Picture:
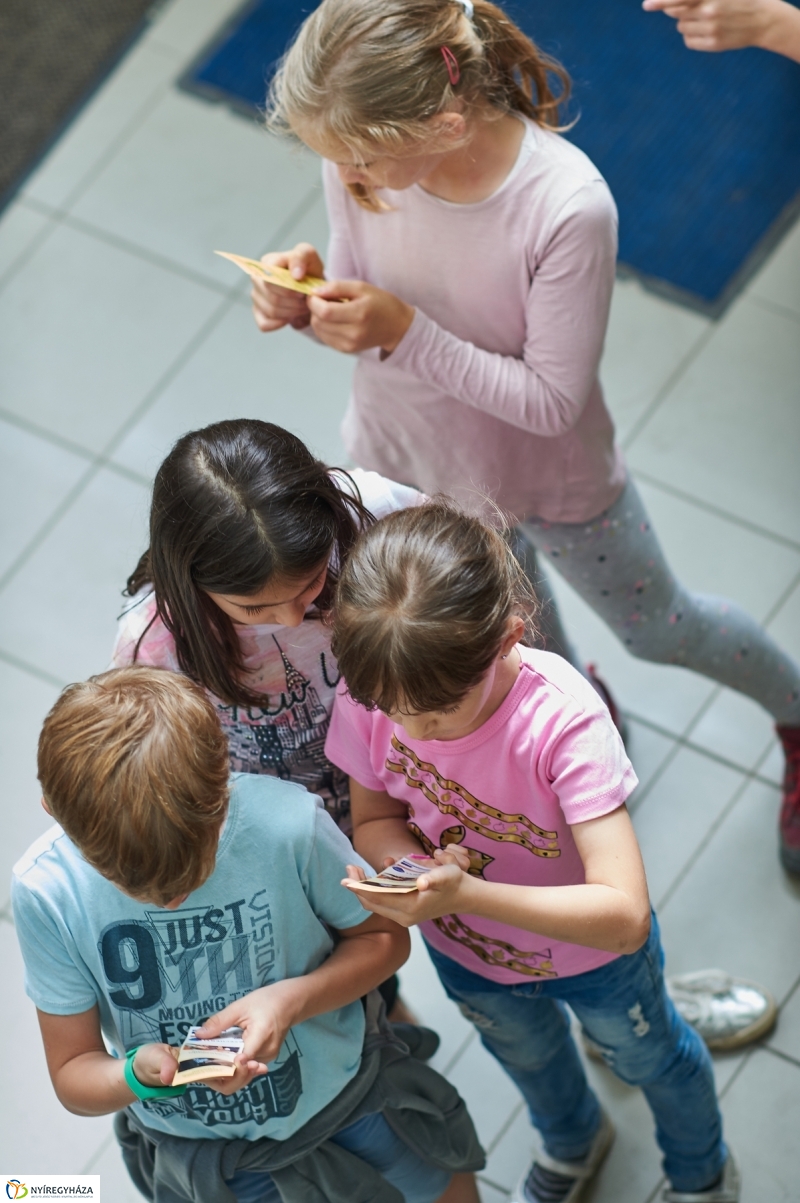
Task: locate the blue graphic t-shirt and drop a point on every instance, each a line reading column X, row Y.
column 263, row 915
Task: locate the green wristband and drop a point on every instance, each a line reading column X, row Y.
column 147, row 1092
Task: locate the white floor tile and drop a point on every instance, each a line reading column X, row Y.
column 242, row 373
column 736, row 909
column 785, row 626
column 25, row 702
column 424, row 993
column 779, row 279
column 668, row 696
column 728, row 433
column 735, row 727
column 59, row 612
column 19, row 229
column 489, row 1093
column 760, row 1113
column 115, row 1182
column 35, row 476
column 647, row 339
column 677, row 814
column 42, row 1137
column 196, row 178
column 786, row 1037
column 186, row 25
column 88, row 330
column 100, row 128
column 488, row 1194
column 711, row 555
column 647, row 750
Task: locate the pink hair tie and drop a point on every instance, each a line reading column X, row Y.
column 451, row 62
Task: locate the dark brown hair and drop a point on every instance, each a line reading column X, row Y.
column 422, row 608
column 235, row 505
column 371, row 74
column 134, row 766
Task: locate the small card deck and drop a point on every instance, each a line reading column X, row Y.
column 400, row 878
column 199, row 1059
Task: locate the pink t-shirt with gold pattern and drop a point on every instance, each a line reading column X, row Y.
column 548, row 758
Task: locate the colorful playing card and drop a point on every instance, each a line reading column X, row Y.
column 401, row 877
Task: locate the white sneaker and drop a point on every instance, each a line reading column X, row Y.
column 726, row 1012
column 576, row 1174
column 726, row 1192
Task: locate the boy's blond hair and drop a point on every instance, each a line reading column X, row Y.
column 133, row 764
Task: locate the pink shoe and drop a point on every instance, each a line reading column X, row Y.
column 790, row 810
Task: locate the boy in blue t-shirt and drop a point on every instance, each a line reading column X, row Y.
column 170, row 896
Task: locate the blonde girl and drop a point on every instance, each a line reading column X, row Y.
column 475, row 248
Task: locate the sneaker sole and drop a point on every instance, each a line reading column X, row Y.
column 727, row 1044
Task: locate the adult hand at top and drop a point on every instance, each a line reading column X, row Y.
column 714, row 25
column 274, row 307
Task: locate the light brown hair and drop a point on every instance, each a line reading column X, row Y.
column 133, row 764
column 371, row 74
column 422, row 608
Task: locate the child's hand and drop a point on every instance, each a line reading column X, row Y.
column 265, row 1016
column 371, row 317
column 155, row 1064
column 275, row 307
column 440, row 892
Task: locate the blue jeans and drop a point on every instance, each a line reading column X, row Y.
column 625, row 1009
column 373, row 1140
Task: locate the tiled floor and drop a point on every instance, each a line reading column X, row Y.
column 120, row 330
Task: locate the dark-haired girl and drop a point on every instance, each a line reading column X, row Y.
column 501, row 762
column 247, row 534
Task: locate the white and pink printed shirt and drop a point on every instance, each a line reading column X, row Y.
column 293, row 666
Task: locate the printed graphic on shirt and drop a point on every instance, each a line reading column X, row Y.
column 497, row 953
column 451, row 798
column 453, row 835
column 172, row 971
column 286, row 737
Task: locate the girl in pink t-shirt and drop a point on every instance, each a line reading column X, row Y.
column 502, row 763
column 476, row 249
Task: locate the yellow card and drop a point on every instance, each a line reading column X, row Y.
column 273, row 275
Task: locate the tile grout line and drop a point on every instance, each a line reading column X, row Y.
column 774, row 307
column 166, row 378
column 48, row 525
column 716, row 511
column 105, row 1143
column 776, row 1052
column 518, row 1107
column 26, row 667
column 711, row 831
column 137, row 251
column 77, row 449
column 667, row 387
column 55, row 222
column 701, row 751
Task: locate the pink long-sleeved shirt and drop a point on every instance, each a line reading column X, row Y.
column 494, row 388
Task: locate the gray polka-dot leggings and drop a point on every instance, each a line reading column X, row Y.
column 616, row 564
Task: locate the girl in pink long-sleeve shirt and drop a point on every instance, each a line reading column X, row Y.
column 475, row 249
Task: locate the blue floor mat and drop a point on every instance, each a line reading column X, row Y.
column 701, row 151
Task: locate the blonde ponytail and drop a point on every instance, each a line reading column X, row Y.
column 370, row 74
